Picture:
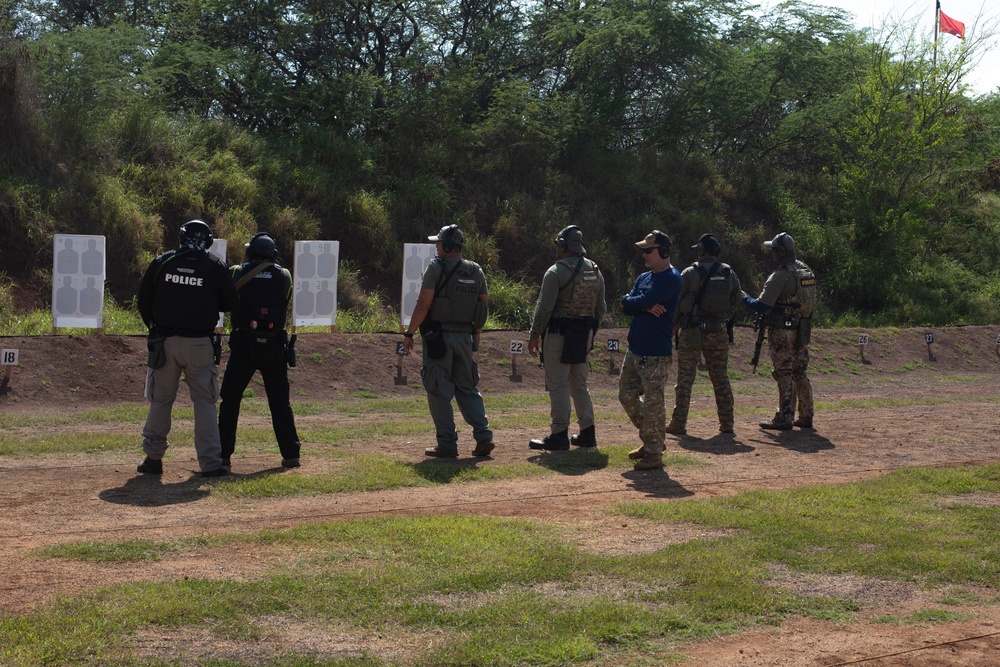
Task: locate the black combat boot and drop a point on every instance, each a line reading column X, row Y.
column 552, row 443
column 587, row 438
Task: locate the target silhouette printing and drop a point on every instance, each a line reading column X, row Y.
column 78, row 274
column 416, row 258
column 314, row 301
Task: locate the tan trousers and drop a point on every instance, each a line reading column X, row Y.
column 563, row 382
column 196, row 359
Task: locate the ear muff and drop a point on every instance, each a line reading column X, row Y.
column 562, row 242
column 664, row 243
column 780, row 247
column 447, row 243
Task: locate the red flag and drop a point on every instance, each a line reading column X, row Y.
column 951, row 26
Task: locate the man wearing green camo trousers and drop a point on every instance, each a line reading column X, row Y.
column 570, row 308
column 710, row 292
column 650, row 304
column 452, row 306
column 786, row 304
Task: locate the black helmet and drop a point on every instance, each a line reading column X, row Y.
column 196, row 234
column 261, row 246
column 450, row 237
column 570, row 239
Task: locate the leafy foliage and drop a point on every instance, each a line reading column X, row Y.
column 376, row 122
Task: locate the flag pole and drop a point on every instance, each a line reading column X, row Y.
column 937, row 17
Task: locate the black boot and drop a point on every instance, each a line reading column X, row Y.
column 586, row 439
column 552, row 443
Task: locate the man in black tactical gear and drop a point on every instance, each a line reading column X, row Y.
column 180, row 297
column 258, row 343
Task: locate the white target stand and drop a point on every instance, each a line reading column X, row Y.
column 400, row 379
column 8, row 358
column 862, row 344
column 613, row 346
column 516, row 349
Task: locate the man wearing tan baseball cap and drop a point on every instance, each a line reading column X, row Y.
column 651, row 304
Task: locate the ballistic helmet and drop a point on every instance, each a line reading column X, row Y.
column 450, row 236
column 570, row 239
column 196, row 234
column 261, row 246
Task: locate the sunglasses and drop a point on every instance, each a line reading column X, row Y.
column 647, row 251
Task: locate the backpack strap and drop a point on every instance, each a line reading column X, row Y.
column 252, row 273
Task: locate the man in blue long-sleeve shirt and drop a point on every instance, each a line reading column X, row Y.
column 651, row 304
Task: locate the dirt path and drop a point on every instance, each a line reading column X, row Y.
column 942, row 415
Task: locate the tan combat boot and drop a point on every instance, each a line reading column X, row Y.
column 649, row 462
column 637, row 453
column 676, row 428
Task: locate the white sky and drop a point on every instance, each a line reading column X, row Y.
column 981, row 19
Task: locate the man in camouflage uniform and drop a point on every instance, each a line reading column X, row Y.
column 453, row 294
column 786, row 304
column 710, row 291
column 569, row 310
column 651, row 304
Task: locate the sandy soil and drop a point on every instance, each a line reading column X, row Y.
column 951, row 420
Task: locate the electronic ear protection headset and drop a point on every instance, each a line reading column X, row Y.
column 664, row 243
column 447, row 237
column 562, row 241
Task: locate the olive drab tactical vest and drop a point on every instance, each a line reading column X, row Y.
column 806, row 290
column 716, row 300
column 583, row 293
column 460, row 295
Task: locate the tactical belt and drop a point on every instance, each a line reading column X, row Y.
column 558, row 324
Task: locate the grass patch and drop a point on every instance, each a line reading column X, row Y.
column 819, row 529
column 482, row 591
column 133, row 551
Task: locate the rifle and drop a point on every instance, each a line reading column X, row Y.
column 758, row 326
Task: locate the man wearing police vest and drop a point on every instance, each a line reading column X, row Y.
column 258, row 343
column 450, row 313
column 180, row 298
column 786, row 303
column 710, row 292
column 570, row 308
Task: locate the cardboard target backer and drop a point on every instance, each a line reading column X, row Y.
column 218, row 249
column 78, row 274
column 314, row 300
column 416, row 258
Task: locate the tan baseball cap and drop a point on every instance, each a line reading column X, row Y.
column 655, row 239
